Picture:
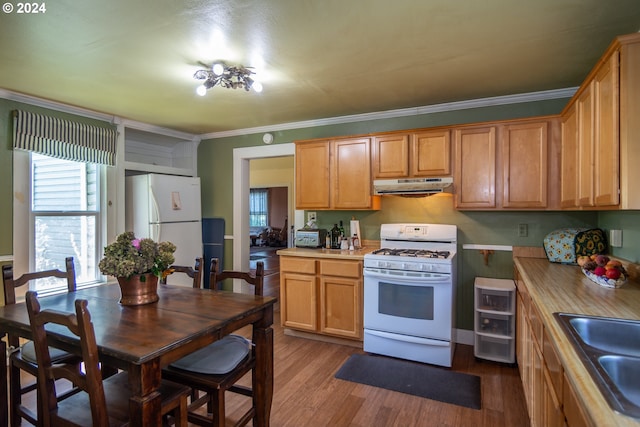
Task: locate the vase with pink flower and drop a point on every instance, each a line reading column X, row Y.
column 137, row 264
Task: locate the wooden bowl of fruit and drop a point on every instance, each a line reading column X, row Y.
column 602, row 270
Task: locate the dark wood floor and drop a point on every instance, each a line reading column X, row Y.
column 306, row 394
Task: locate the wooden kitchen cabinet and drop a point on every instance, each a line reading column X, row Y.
column 594, row 144
column 390, row 156
column 431, row 153
column 334, row 174
column 524, row 148
column 412, row 155
column 569, row 160
column 322, row 296
column 475, row 167
column 298, row 293
column 538, row 364
column 504, row 165
column 312, row 175
column 341, row 298
column 351, row 174
column 606, row 142
column 572, row 411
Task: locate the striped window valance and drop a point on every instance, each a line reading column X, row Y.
column 63, row 139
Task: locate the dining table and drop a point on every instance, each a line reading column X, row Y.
column 145, row 339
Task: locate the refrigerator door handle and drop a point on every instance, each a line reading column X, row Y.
column 155, row 209
column 155, row 230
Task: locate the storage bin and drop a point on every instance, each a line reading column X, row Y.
column 491, row 323
column 494, row 322
column 492, row 348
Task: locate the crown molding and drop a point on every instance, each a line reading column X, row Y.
column 83, row 112
column 404, row 112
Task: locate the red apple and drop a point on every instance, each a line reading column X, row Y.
column 613, row 273
column 599, row 271
column 602, row 260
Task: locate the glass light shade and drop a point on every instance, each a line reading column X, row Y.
column 218, row 69
column 257, row 86
column 201, row 90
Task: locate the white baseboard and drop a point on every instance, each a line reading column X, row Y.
column 464, row 336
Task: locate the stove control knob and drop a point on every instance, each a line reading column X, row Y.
column 428, row 267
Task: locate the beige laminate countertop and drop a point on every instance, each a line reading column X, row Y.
column 327, row 253
column 563, row 288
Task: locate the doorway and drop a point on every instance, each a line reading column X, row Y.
column 241, row 186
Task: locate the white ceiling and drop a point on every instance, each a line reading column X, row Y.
column 316, row 58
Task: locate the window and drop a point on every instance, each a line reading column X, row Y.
column 258, row 207
column 65, row 216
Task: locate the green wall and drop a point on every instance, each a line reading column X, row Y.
column 215, row 162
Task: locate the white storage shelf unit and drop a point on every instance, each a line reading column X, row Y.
column 494, row 324
column 157, row 153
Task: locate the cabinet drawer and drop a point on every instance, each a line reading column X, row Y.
column 341, row 268
column 298, row 265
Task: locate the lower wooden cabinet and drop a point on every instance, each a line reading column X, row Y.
column 322, row 296
column 542, row 375
column 572, row 411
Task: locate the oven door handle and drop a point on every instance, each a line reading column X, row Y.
column 407, row 338
column 402, row 275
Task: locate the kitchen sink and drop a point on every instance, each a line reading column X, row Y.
column 625, row 373
column 610, row 335
column 610, row 350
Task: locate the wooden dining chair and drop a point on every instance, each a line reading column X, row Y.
column 217, row 368
column 194, row 272
column 102, row 402
column 23, row 357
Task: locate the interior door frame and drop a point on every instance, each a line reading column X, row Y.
column 241, row 185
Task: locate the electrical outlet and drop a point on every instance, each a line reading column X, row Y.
column 311, row 216
column 523, row 230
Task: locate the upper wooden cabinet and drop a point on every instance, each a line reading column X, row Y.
column 569, row 160
column 420, row 154
column 475, row 167
column 431, row 153
column 351, row 174
column 312, row 175
column 504, row 166
column 390, row 156
column 604, row 144
column 591, row 143
column 524, row 165
column 334, row 174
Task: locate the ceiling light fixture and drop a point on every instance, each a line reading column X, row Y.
column 229, row 77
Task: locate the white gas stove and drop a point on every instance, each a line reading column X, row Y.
column 409, row 293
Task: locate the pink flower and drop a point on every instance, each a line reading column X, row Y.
column 136, row 243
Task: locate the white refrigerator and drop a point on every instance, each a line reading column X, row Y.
column 167, row 208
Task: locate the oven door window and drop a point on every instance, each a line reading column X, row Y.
column 411, row 302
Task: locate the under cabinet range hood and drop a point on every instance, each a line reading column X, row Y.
column 412, row 186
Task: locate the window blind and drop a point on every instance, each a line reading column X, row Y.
column 63, row 139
